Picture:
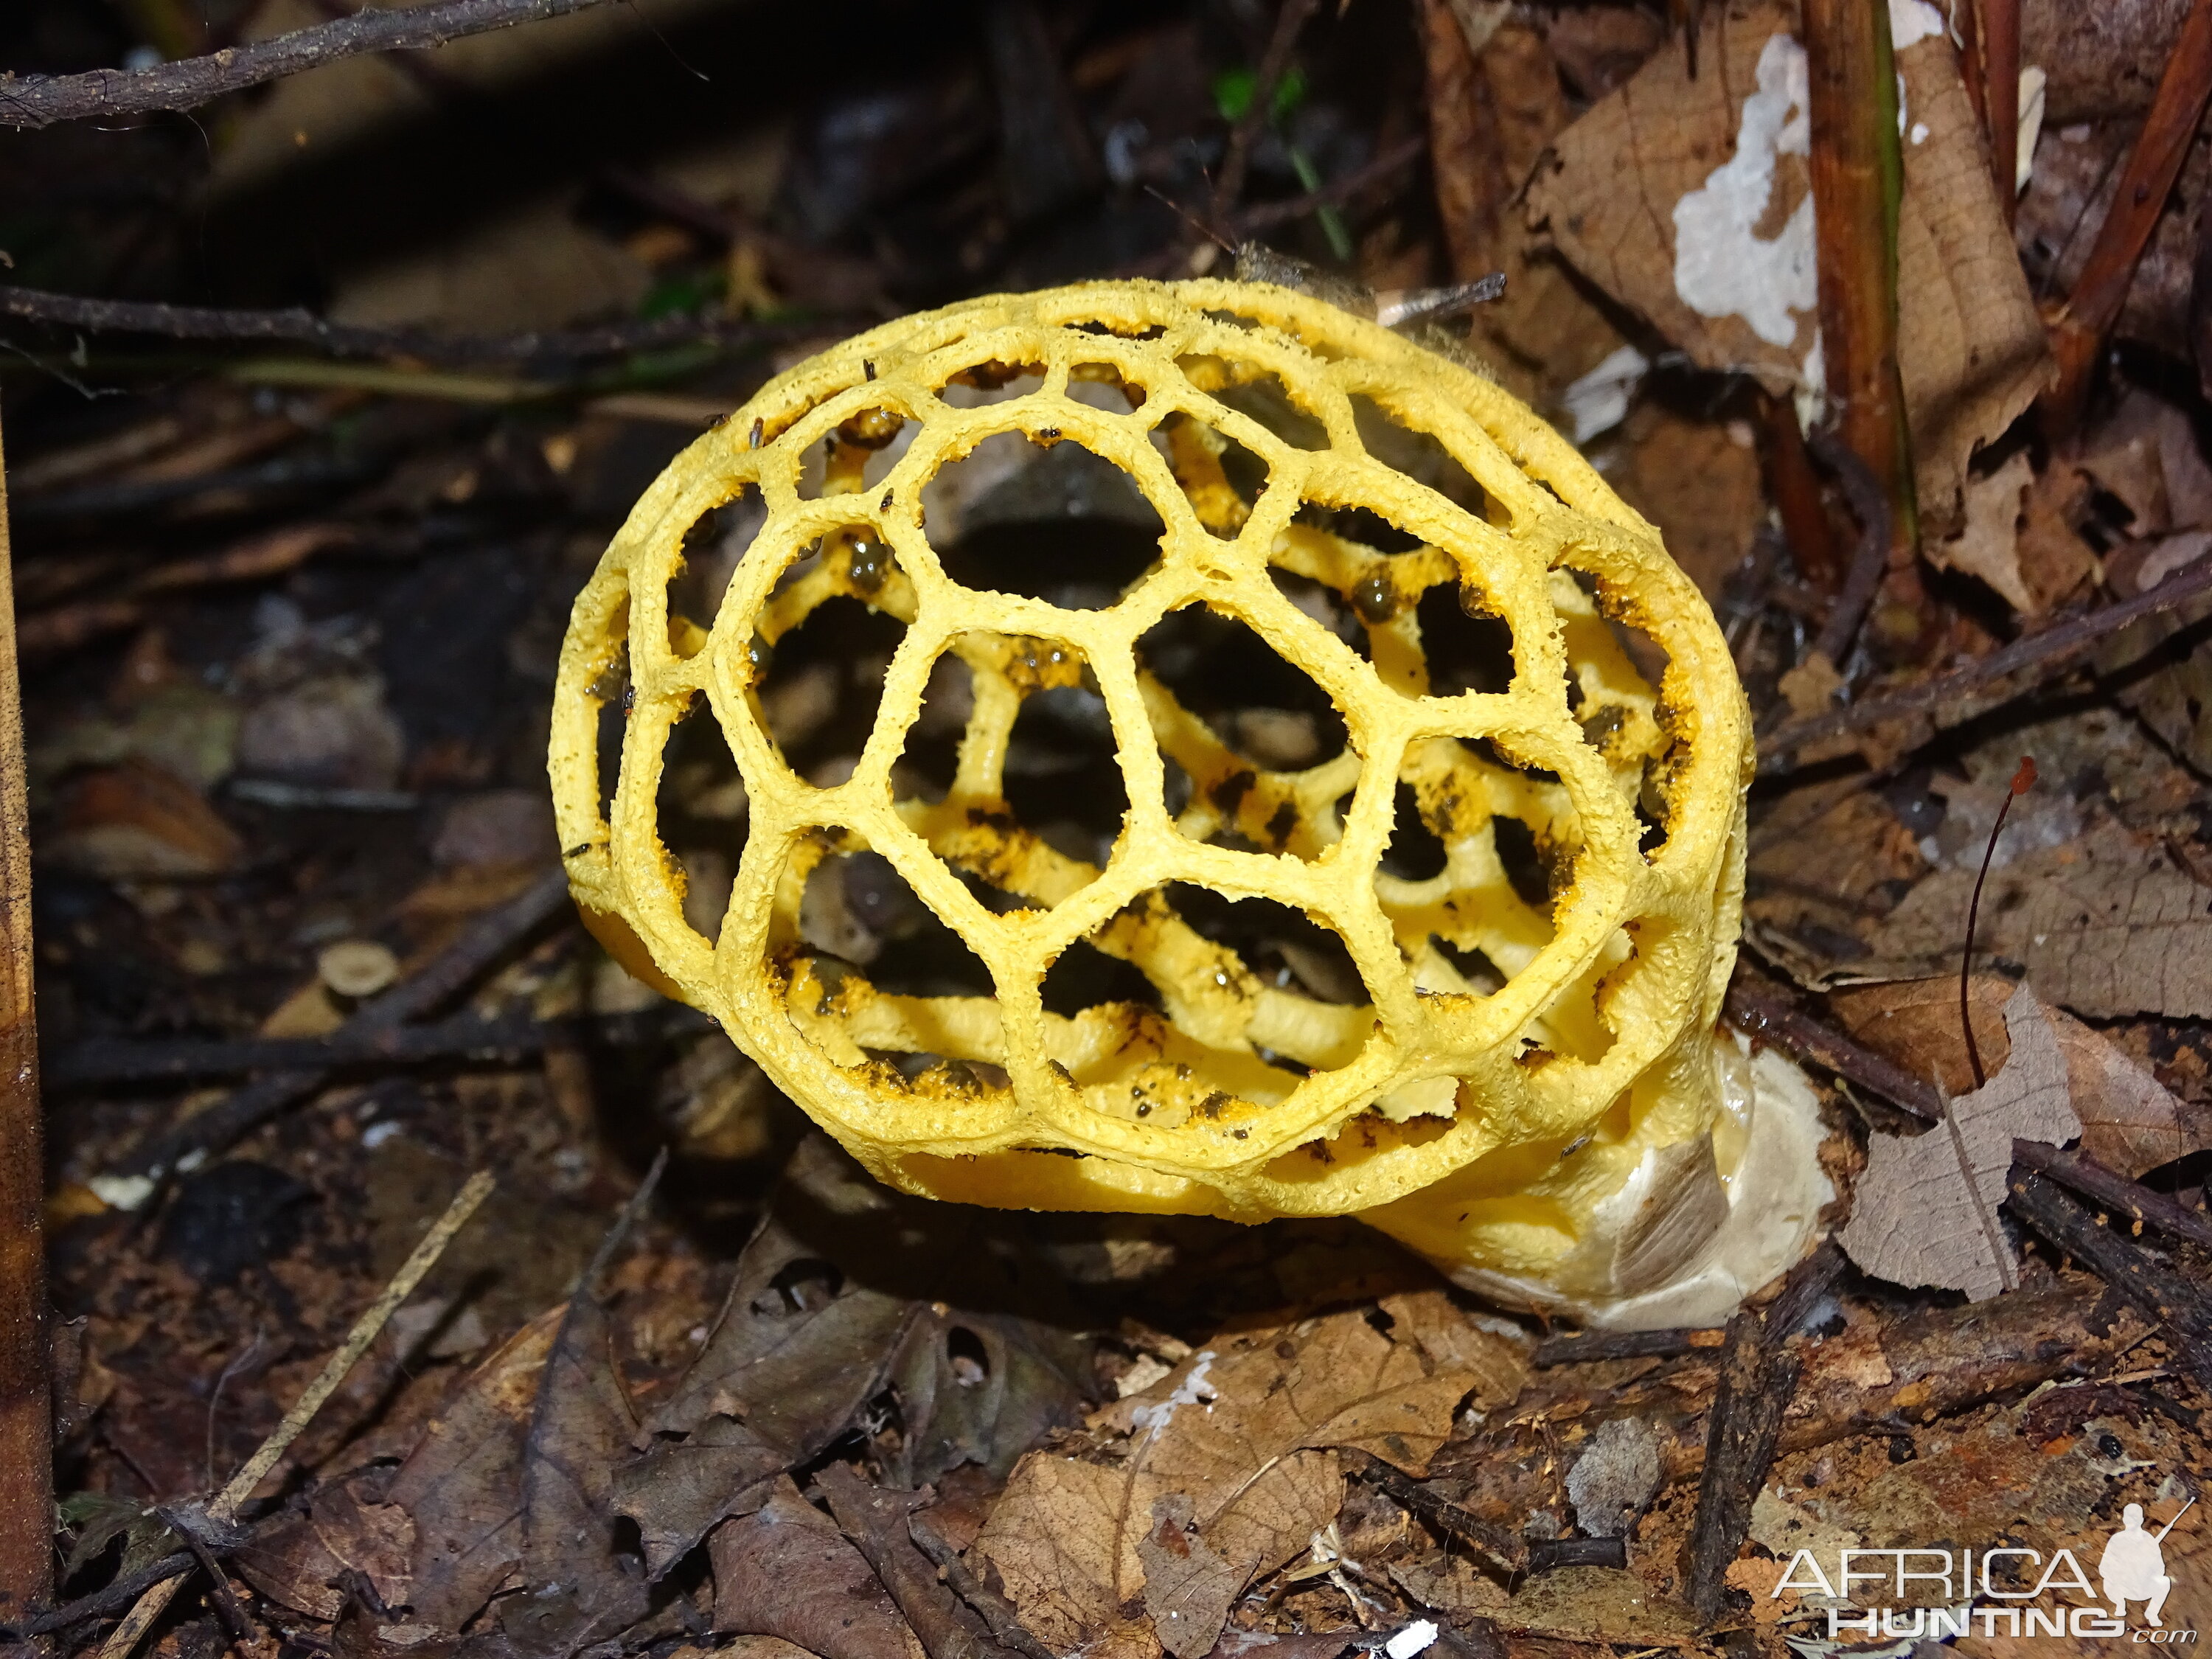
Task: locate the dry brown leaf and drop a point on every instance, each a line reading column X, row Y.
column 302, row 1561
column 1489, row 118
column 1598, row 1604
column 1971, row 346
column 1493, row 1353
column 1915, row 1022
column 2146, row 453
column 1988, row 542
column 1189, row 1585
column 140, row 819
column 2172, row 689
column 2055, row 563
column 2105, row 924
column 2130, row 1120
column 463, row 1483
column 1925, row 1209
column 1699, row 481
column 1242, row 1430
column 786, row 1570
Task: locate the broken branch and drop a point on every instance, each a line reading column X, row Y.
column 2154, row 164
column 294, row 326
column 2042, row 656
column 225, row 1506
column 2155, row 1290
column 482, row 943
column 40, row 100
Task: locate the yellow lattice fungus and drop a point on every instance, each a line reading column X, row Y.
column 1291, row 783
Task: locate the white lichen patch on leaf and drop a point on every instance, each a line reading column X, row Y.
column 1722, row 267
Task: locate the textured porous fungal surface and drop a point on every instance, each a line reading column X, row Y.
column 1293, row 777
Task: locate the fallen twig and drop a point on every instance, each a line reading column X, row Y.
column 2113, row 1190
column 1586, row 1345
column 1751, row 1397
column 40, row 100
column 482, row 943
column 1265, row 215
column 1768, row 1016
column 2146, row 1281
column 460, row 1037
column 879, row 1524
column 257, row 558
column 1229, row 183
column 995, row 1611
column 1505, row 1550
column 2154, row 166
column 1869, row 505
column 294, row 326
column 2042, row 655
column 225, row 1505
column 1742, row 1432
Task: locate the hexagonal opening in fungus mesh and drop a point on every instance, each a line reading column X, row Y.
column 1460, row 704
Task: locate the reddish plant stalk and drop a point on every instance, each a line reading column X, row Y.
column 2000, row 22
column 2022, row 782
column 1853, row 155
column 2154, row 164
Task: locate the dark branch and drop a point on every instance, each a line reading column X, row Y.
column 1769, row 1016
column 2147, row 1281
column 462, row 1036
column 40, row 100
column 481, row 944
column 2040, row 656
column 296, row 327
column 1869, row 505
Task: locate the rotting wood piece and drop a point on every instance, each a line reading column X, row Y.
column 1937, row 1362
column 1743, row 1428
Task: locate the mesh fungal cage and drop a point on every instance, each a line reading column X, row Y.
column 1293, row 776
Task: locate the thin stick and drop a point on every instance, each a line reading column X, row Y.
column 294, row 326
column 26, row 1432
column 458, row 1037
column 2023, row 780
column 1229, row 184
column 2146, row 183
column 481, row 944
column 367, row 1328
column 1870, row 505
column 2045, row 653
column 1766, row 1015
column 40, row 100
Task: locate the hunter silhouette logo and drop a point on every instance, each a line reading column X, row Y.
column 1933, row 1593
column 2133, row 1565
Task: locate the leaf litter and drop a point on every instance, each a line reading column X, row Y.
column 796, row 1414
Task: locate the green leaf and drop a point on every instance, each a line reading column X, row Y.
column 1233, row 89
